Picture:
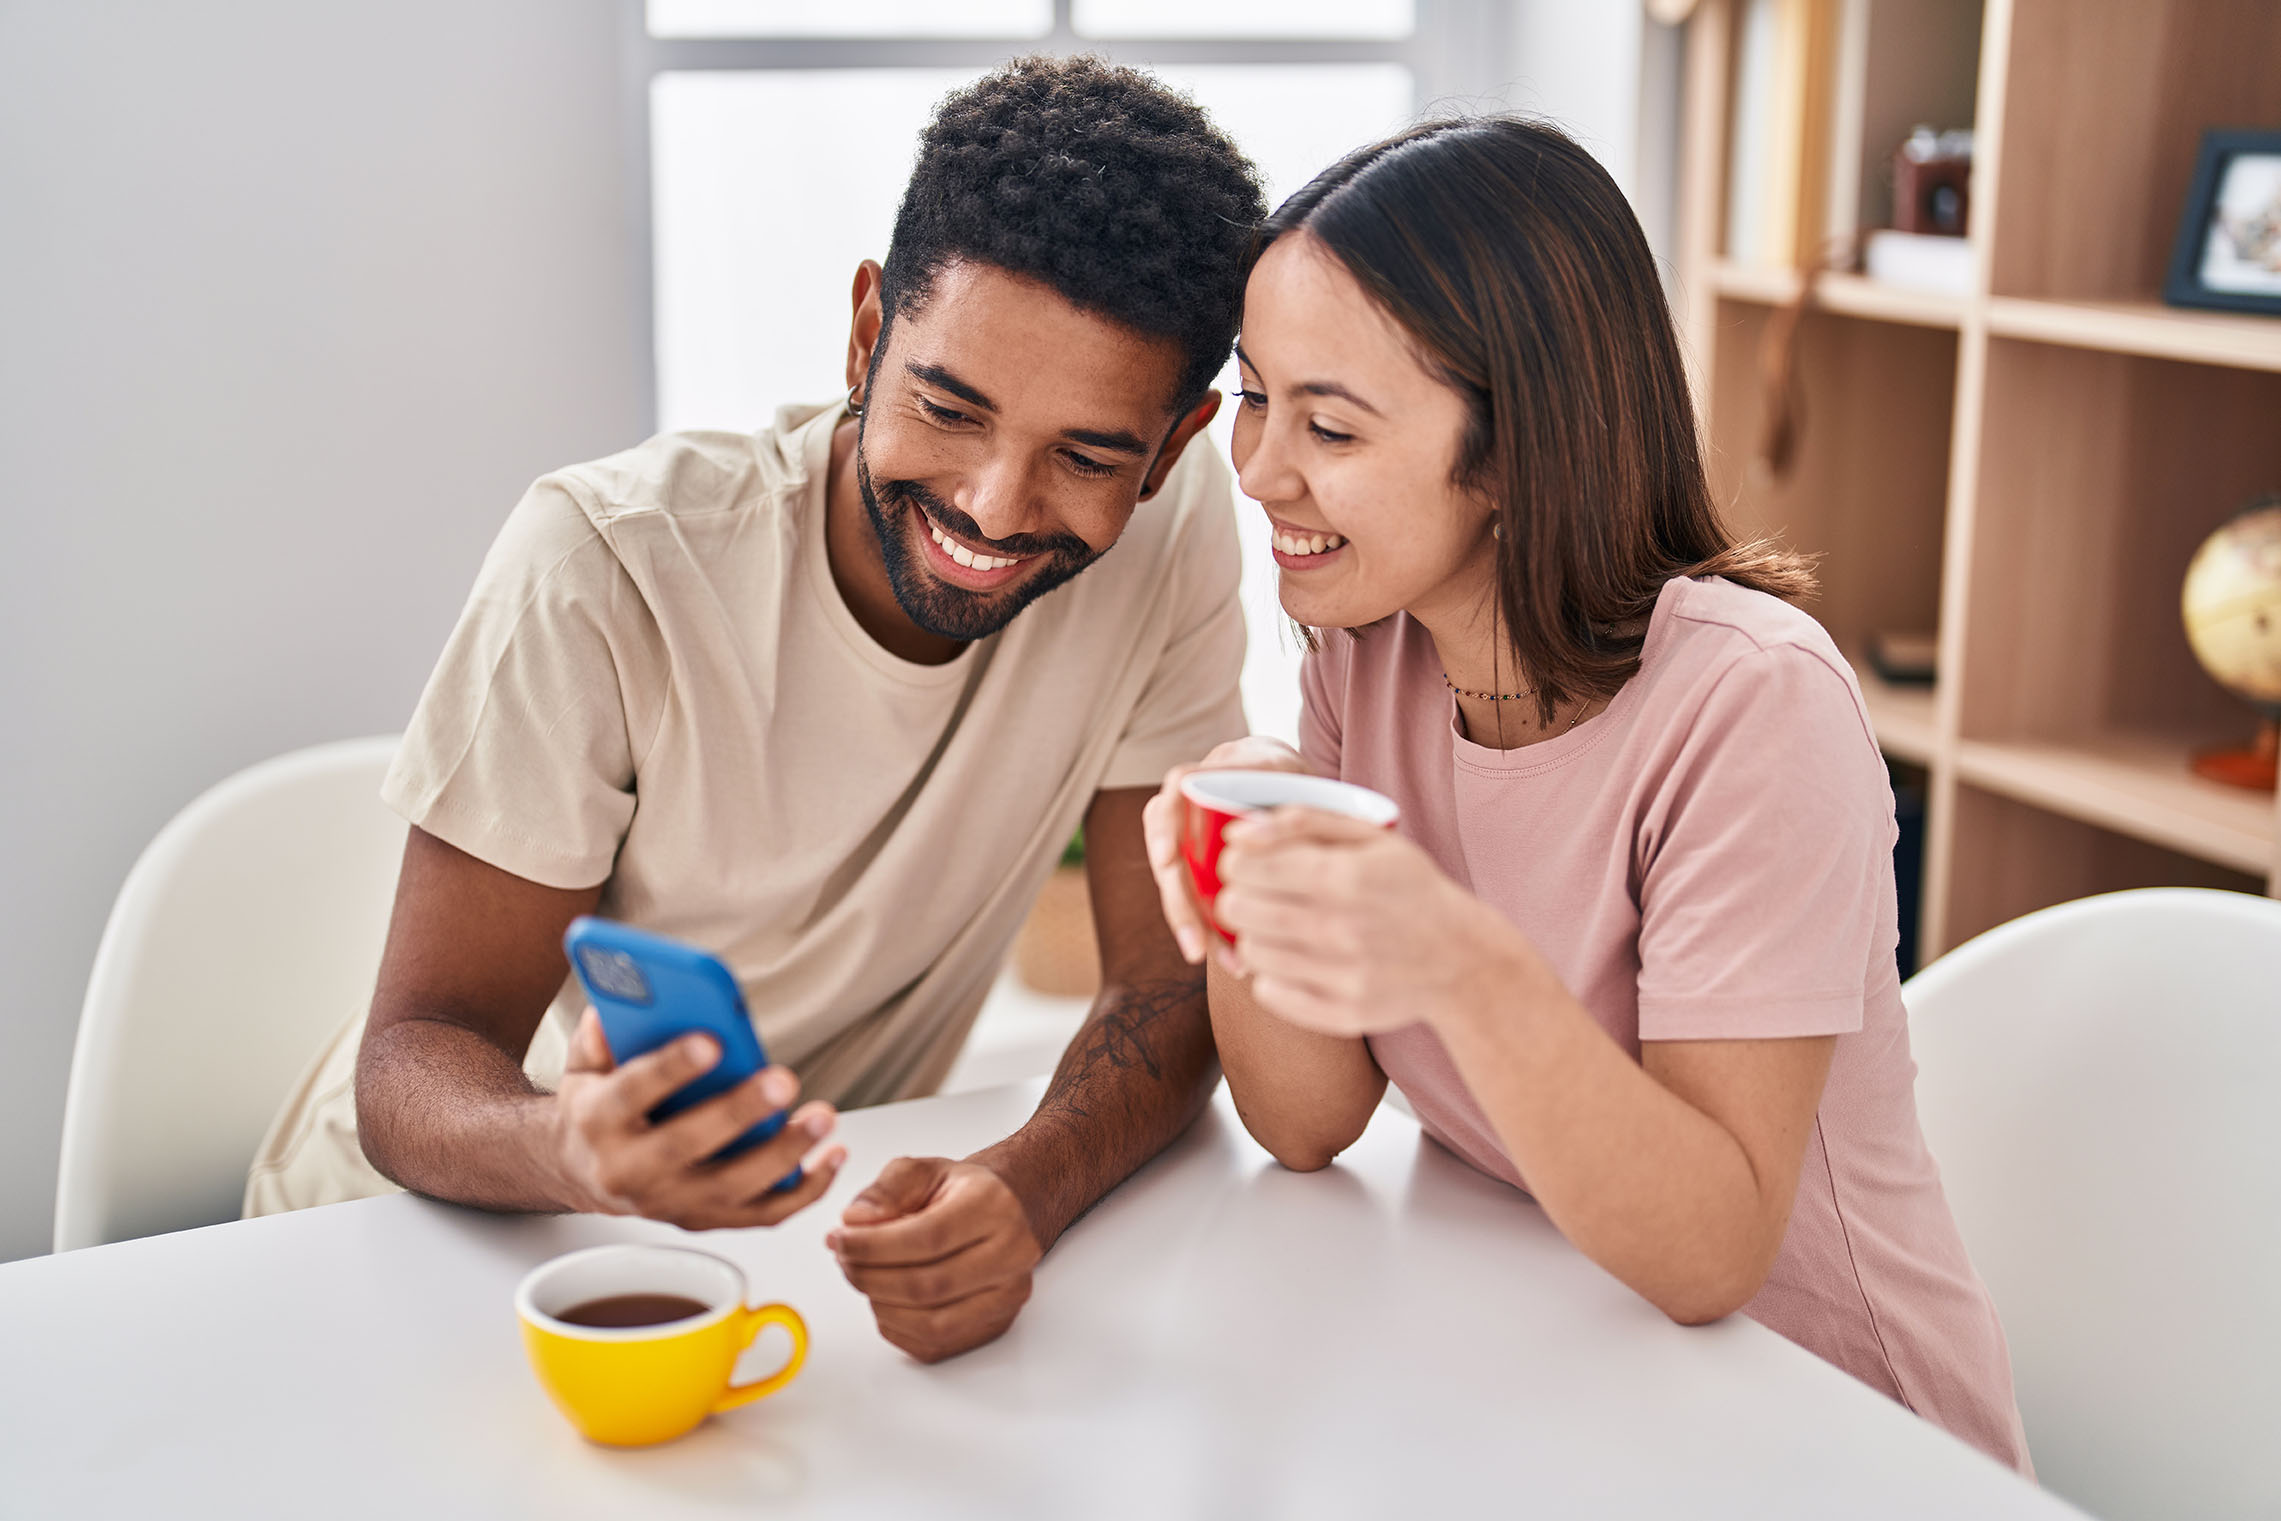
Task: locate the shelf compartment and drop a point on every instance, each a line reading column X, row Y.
column 2099, row 475
column 2014, row 856
column 2132, row 784
column 1901, row 716
column 1868, row 488
column 2104, row 105
column 2142, row 327
column 1845, row 294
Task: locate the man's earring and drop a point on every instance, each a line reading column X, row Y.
column 854, row 403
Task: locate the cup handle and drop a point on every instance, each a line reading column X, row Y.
column 768, row 1314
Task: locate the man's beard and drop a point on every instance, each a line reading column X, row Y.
column 944, row 610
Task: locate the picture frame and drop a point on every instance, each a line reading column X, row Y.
column 2228, row 253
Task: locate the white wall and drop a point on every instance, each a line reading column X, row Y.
column 294, row 299
column 1611, row 77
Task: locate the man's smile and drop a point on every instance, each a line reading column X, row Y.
column 960, row 563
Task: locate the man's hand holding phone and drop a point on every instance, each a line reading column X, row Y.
column 627, row 1164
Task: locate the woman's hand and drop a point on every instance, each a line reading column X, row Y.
column 1161, row 823
column 1349, row 929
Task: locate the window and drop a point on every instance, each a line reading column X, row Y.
column 780, row 133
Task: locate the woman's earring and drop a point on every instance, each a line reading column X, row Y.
column 854, row 402
column 1496, row 530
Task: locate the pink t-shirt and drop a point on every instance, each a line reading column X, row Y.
column 1708, row 859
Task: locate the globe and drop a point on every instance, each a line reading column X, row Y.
column 2232, row 609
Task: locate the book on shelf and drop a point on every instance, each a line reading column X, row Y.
column 1783, row 67
column 1919, row 261
column 1749, row 129
column 1904, row 658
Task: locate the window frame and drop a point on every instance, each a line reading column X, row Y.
column 1455, row 53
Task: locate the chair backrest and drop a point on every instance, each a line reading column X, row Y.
column 248, row 930
column 2101, row 1083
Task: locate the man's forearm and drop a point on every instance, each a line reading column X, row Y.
column 1136, row 1076
column 446, row 1113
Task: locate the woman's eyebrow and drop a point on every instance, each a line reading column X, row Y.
column 1316, row 387
column 1333, row 388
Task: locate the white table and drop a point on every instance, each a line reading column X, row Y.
column 1397, row 1336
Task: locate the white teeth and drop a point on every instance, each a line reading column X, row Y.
column 1310, row 544
column 965, row 556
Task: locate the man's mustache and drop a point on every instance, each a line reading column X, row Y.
column 951, row 520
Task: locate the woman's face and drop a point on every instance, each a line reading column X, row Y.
column 1348, row 442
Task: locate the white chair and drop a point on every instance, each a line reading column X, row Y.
column 243, row 937
column 2101, row 1083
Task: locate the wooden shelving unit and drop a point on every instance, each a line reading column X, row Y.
column 2025, row 467
column 2143, row 327
column 1843, row 294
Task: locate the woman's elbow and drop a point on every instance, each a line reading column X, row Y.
column 1698, row 1311
column 1300, row 1148
column 1301, row 1158
column 1701, row 1299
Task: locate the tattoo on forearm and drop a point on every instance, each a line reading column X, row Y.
column 1118, row 1039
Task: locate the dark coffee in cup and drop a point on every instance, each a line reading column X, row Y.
column 621, row 1310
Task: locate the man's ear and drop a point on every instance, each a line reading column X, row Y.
column 1182, row 431
column 863, row 331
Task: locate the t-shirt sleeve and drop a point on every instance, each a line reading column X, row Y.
column 1767, row 890
column 522, row 749
column 1322, row 689
column 1193, row 699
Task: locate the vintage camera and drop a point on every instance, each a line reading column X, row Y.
column 1932, row 183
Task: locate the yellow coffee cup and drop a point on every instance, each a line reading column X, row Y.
column 631, row 1385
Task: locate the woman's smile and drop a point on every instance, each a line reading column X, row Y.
column 1304, row 548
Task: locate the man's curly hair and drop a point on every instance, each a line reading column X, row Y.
column 1097, row 180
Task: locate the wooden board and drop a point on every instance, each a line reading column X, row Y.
column 2013, row 858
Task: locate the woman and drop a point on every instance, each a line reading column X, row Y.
column 1632, row 944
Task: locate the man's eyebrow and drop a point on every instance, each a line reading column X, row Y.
column 936, row 375
column 1113, row 442
column 1318, row 387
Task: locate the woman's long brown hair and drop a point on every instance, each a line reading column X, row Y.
column 1516, row 265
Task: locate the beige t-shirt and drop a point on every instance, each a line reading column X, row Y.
column 657, row 686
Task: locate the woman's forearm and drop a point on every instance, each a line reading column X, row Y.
column 1306, row 1097
column 1651, row 1187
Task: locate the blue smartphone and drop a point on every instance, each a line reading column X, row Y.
column 649, row 991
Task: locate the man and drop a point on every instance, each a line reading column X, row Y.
column 770, row 694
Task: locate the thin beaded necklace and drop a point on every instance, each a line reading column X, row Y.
column 1496, row 645
column 1496, row 697
column 1487, row 696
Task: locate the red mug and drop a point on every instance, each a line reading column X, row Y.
column 1217, row 799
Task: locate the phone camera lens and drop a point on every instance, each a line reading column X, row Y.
column 614, row 973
